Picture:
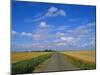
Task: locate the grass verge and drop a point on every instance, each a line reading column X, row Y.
column 27, row 66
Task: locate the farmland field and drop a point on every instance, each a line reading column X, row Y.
column 82, row 59
column 26, row 62
column 20, row 56
column 88, row 56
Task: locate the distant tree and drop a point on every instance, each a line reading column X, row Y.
column 48, row 50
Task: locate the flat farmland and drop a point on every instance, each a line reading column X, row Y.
column 87, row 56
column 21, row 56
column 28, row 62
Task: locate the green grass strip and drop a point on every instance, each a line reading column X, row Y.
column 27, row 66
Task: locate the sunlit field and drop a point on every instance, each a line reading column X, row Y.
column 87, row 56
column 20, row 56
column 26, row 62
column 85, row 60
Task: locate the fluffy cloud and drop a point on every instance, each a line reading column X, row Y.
column 77, row 36
column 83, row 30
column 26, row 34
column 60, row 34
column 45, row 37
column 21, row 33
column 14, row 32
column 43, row 25
column 42, row 32
column 63, row 38
column 51, row 12
column 62, row 12
column 65, row 41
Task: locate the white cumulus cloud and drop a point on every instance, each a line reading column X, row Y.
column 51, row 12
column 22, row 33
column 26, row 34
column 14, row 32
column 43, row 25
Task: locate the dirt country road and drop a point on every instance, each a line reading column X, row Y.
column 57, row 63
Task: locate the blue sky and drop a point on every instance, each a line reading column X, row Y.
column 39, row 26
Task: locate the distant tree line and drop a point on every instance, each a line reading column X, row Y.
column 46, row 50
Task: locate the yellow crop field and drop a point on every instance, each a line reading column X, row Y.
column 88, row 56
column 20, row 56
